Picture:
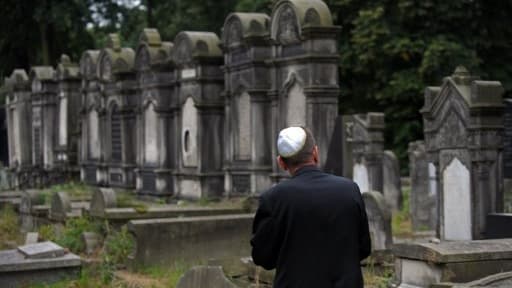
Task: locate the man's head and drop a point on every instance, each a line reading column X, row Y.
column 296, row 147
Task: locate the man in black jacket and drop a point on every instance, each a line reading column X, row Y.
column 313, row 227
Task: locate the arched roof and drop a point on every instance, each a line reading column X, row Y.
column 66, row 68
column 301, row 14
column 88, row 64
column 151, row 49
column 238, row 26
column 189, row 45
column 114, row 59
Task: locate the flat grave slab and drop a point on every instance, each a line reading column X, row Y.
column 42, row 250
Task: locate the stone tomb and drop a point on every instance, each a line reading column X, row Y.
column 198, row 61
column 36, row 264
column 379, row 220
column 68, row 106
column 190, row 239
column 392, row 187
column 248, row 145
column 304, row 72
column 92, row 107
column 422, row 265
column 156, row 117
column 117, row 86
column 19, row 121
column 63, row 207
column 104, row 206
column 463, row 131
column 423, row 194
column 44, row 122
column 363, row 150
column 33, row 212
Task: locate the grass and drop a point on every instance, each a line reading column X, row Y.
column 401, row 223
column 168, row 276
column 73, row 189
column 9, row 228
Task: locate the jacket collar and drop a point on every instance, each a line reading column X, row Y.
column 306, row 169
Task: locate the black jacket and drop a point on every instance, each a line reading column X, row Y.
column 313, row 229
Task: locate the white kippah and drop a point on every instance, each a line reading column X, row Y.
column 290, row 141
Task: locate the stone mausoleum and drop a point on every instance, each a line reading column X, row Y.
column 194, row 118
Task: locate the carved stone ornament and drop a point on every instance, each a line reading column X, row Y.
column 288, row 30
column 143, row 59
column 106, row 68
column 234, row 33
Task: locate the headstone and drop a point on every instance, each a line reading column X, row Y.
column 201, row 114
column 91, row 241
column 364, row 137
column 60, row 206
column 29, row 199
column 463, row 129
column 117, row 83
column 304, row 89
column 68, row 101
column 422, row 198
column 392, row 188
column 427, row 264
column 102, row 198
column 191, row 239
column 156, row 117
column 248, row 157
column 42, row 250
column 91, row 105
column 44, row 112
column 31, row 238
column 379, row 220
column 19, row 127
column 205, row 277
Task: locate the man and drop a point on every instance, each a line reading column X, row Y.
column 312, row 228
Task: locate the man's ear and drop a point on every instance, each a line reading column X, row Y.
column 316, row 155
column 281, row 163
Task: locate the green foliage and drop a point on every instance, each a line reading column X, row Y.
column 71, row 236
column 9, row 228
column 401, row 224
column 118, row 245
column 168, row 275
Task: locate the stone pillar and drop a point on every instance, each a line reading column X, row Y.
column 464, row 140
column 156, row 104
column 19, row 105
column 200, row 82
column 365, row 137
column 91, row 108
column 44, row 121
column 117, row 85
column 247, row 108
column 304, row 70
column 423, row 194
column 68, row 129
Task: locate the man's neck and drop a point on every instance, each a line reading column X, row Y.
column 295, row 169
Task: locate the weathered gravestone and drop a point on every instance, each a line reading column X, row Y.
column 102, row 198
column 117, row 84
column 423, row 194
column 19, row 127
column 91, row 108
column 37, row 264
column 31, row 238
column 248, row 145
column 63, row 207
column 68, row 128
column 379, row 220
column 364, row 137
column 464, row 137
column 303, row 72
column 156, row 117
column 198, row 61
column 189, row 239
column 422, row 265
column 33, row 212
column 391, row 185
column 44, row 112
column 205, row 277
